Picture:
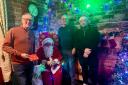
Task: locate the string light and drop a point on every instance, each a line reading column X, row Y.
column 120, row 75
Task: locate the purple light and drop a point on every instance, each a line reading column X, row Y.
column 122, row 60
column 64, row 0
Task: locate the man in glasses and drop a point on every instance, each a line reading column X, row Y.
column 19, row 43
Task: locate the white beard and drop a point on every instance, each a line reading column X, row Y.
column 48, row 51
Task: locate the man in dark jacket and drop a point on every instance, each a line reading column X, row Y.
column 86, row 39
column 66, row 46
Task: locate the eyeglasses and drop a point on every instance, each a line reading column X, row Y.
column 26, row 19
column 48, row 44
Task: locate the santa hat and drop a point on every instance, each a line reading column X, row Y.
column 44, row 35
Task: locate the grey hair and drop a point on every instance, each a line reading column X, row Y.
column 64, row 16
column 84, row 18
column 26, row 14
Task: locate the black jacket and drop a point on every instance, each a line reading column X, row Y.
column 86, row 37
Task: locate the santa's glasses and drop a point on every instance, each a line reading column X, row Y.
column 48, row 44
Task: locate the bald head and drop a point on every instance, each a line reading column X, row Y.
column 26, row 15
column 64, row 20
column 26, row 20
column 83, row 21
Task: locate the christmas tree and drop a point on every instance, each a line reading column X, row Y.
column 120, row 75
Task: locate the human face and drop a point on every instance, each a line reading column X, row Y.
column 83, row 22
column 64, row 21
column 26, row 21
column 48, row 50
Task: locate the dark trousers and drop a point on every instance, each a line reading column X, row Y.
column 22, row 74
column 69, row 68
column 89, row 68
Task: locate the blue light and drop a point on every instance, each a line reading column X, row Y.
column 117, row 1
column 65, row 1
column 106, row 7
column 70, row 6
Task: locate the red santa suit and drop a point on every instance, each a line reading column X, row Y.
column 50, row 76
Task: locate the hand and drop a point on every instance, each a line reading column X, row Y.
column 42, row 67
column 49, row 63
column 87, row 52
column 73, row 51
column 56, row 61
column 33, row 57
column 85, row 55
column 24, row 55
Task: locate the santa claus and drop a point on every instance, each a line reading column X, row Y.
column 50, row 56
